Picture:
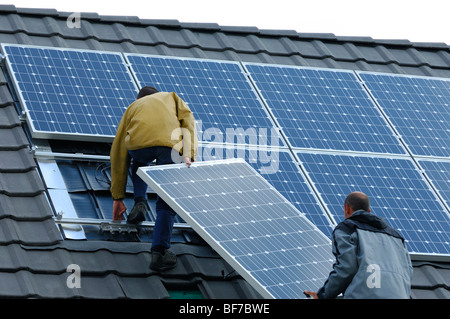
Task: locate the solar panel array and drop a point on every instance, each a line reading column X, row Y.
column 439, row 173
column 397, row 191
column 418, row 107
column 226, row 107
column 324, row 109
column 373, row 124
column 247, row 221
column 71, row 93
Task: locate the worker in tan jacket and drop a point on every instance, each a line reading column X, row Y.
column 157, row 126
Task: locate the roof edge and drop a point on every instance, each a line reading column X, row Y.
column 214, row 27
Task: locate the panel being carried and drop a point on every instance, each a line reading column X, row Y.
column 250, row 224
column 70, row 94
column 282, row 171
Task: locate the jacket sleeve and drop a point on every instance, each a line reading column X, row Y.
column 187, row 123
column 346, row 265
column 120, row 160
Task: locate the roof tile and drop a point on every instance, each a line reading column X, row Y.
column 25, row 208
column 8, row 116
column 16, row 161
column 29, row 232
column 12, row 138
column 21, row 184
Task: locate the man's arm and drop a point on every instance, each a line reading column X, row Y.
column 187, row 123
column 120, row 161
column 345, row 267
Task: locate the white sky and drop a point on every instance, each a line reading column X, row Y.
column 413, row 20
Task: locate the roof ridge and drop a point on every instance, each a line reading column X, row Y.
column 214, row 27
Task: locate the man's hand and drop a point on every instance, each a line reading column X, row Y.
column 188, row 161
column 311, row 294
column 119, row 209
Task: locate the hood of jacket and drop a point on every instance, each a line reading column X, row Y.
column 367, row 221
column 367, row 218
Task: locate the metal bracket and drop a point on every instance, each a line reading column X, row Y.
column 118, row 228
column 111, row 224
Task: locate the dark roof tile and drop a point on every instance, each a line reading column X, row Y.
column 231, row 289
column 429, row 275
column 430, row 293
column 200, row 26
column 34, row 208
column 8, row 116
column 16, row 161
column 21, row 184
column 12, row 138
column 138, row 287
column 29, row 232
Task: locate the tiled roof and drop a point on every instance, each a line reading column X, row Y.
column 34, row 255
column 209, row 40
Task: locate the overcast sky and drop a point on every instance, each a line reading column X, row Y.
column 414, row 20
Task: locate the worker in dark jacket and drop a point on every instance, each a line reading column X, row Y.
column 371, row 257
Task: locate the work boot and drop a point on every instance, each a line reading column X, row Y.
column 161, row 261
column 138, row 212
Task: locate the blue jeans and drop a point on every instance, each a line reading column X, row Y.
column 165, row 215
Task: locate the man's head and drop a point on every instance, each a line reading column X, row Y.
column 356, row 201
column 147, row 90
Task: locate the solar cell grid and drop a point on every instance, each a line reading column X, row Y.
column 71, row 93
column 323, row 109
column 281, row 170
column 218, row 93
column 397, row 192
column 418, row 107
column 439, row 173
column 248, row 222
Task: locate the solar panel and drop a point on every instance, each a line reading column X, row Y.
column 226, row 107
column 418, row 107
column 397, row 190
column 68, row 93
column 323, row 109
column 255, row 229
column 439, row 173
column 282, row 171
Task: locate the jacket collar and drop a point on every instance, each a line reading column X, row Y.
column 365, row 217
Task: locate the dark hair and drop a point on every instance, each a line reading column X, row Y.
column 147, row 90
column 358, row 200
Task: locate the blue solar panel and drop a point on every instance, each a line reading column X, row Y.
column 71, row 93
column 397, row 191
column 263, row 237
column 226, row 107
column 280, row 169
column 324, row 109
column 418, row 107
column 439, row 174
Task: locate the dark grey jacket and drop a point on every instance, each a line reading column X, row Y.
column 371, row 260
